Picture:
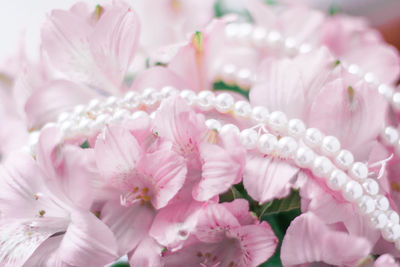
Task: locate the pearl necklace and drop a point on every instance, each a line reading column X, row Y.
column 306, row 148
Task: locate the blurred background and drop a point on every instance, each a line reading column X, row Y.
column 21, row 19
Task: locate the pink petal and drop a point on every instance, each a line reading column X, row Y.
column 168, row 173
column 147, row 254
column 114, row 41
column 47, row 102
column 87, row 242
column 386, row 260
column 129, row 225
column 355, row 116
column 261, row 13
column 240, row 209
column 309, row 240
column 174, row 223
column 268, row 178
column 117, row 153
column 258, row 243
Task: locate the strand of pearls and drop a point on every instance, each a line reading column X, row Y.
column 260, row 38
column 307, row 148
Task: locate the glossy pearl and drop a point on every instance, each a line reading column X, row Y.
column 352, row 191
column 386, row 91
column 305, row 48
column 213, row 125
column 149, row 96
column 382, row 202
column 366, row 205
column 259, row 114
column 313, row 137
column 304, row 157
column 354, row 69
column 249, row 138
column 168, row 91
column 322, row 166
column 277, row 121
column 369, row 77
column 267, row 143
column 286, row 147
column 396, row 101
column 296, row 128
column 228, row 74
column 224, row 102
column 231, row 31
column 344, row 159
column 337, row 180
column 242, row 109
column 274, row 38
column 391, row 232
column 290, row 46
column 189, row 96
column 371, row 186
column 390, row 136
column 393, row 216
column 359, row 171
column 259, row 37
column 378, row 219
column 205, row 100
column 330, row 145
column 244, row 78
column 229, row 128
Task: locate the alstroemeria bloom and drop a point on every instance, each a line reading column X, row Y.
column 144, row 170
column 227, row 234
column 45, row 218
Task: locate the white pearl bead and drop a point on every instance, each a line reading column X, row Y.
column 313, row 137
column 286, row 146
column 369, row 77
column 290, row 46
column 277, row 121
column 66, row 126
column 344, row 159
column 390, row 135
column 391, row 232
column 78, row 110
column 130, row 95
column 205, row 100
column 189, row 96
column 382, row 202
column 371, row 186
column 120, row 115
column 359, row 171
column 249, row 138
column 352, row 191
column 93, row 105
column 149, row 96
column 244, row 78
column 296, row 128
column 232, row 31
column 213, row 125
column 393, row 216
column 366, row 204
column 274, row 38
column 83, row 125
column 386, row 90
column 139, row 114
column 259, row 114
column 354, row 69
column 330, row 145
column 224, row 102
column 305, row 48
column 267, row 143
column 63, row 117
column 378, row 219
column 242, row 109
column 228, row 74
column 100, row 121
column 336, row 180
column 227, row 128
column 168, row 91
column 244, row 32
column 322, row 167
column 259, row 37
column 396, row 101
column 110, row 102
column 304, row 157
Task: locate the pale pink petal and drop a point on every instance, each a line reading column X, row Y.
column 258, row 243
column 261, row 13
column 268, row 178
column 282, row 74
column 114, row 41
column 128, row 224
column 117, row 153
column 354, row 115
column 87, row 242
column 45, row 254
column 175, row 222
column 240, row 209
column 386, row 260
column 309, row 240
column 55, row 97
column 147, row 254
column 167, row 170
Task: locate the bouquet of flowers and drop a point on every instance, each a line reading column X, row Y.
column 187, row 133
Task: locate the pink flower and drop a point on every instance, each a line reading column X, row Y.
column 45, row 218
column 226, row 235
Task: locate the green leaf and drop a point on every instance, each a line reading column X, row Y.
column 222, row 8
column 288, row 203
column 85, row 144
column 271, row 2
column 121, row 264
column 221, row 86
column 334, row 9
